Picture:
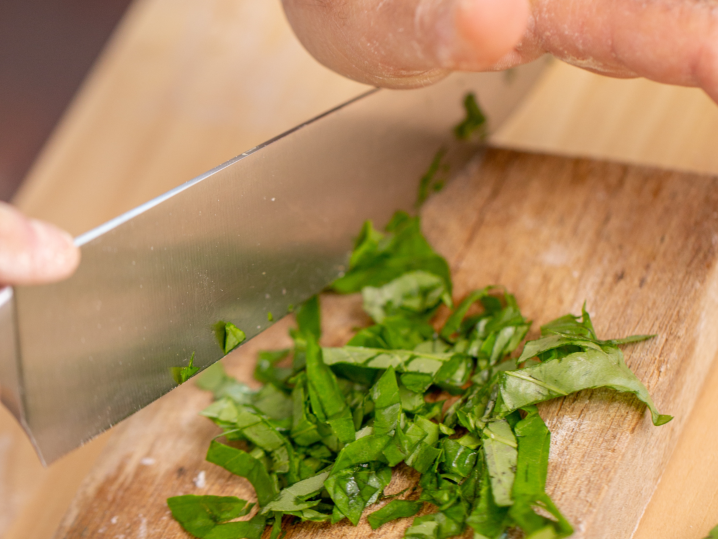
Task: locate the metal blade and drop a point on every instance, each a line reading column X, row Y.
column 264, row 231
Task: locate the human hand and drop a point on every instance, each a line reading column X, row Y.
column 409, row 43
column 33, row 252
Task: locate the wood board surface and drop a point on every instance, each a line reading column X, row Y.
column 160, row 82
column 638, row 245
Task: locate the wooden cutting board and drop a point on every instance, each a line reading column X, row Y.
column 637, row 244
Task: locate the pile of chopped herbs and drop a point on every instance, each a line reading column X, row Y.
column 454, row 401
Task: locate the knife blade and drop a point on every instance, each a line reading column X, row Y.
column 253, row 236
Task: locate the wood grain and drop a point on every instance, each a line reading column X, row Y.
column 574, row 112
column 639, row 245
column 182, row 86
column 146, row 87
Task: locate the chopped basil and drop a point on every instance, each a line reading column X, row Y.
column 475, row 121
column 321, row 436
column 208, row 516
column 393, row 510
column 182, row 374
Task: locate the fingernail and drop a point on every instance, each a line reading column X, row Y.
column 483, row 32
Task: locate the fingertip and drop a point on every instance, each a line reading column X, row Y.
column 487, row 30
column 33, row 252
column 56, row 256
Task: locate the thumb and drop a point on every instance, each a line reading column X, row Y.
column 407, row 43
column 33, row 252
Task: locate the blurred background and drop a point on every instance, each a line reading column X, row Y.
column 46, row 49
column 105, row 104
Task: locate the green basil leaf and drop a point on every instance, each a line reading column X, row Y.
column 229, row 336
column 199, row 515
column 182, row 374
column 366, row 449
column 387, row 403
column 244, row 465
column 353, row 489
column 457, row 458
column 440, row 525
column 401, row 250
column 430, row 181
column 326, row 397
column 404, row 361
column 267, row 372
column 395, row 509
column 488, row 520
column 415, row 294
column 394, row 333
column 273, row 402
column 453, row 323
column 215, row 379
column 309, row 318
column 475, row 121
column 501, row 455
column 304, row 425
column 589, row 369
column 249, row 529
column 571, row 325
column 534, row 441
column 293, row 498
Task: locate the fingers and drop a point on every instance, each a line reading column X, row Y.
column 33, row 252
column 669, row 41
column 407, row 43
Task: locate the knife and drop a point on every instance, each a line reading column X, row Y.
column 253, row 236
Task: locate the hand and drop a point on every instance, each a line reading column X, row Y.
column 33, row 252
column 409, row 43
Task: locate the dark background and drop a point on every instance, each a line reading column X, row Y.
column 46, row 49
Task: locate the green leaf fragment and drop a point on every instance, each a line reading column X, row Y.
column 326, row 397
column 501, row 456
column 488, row 520
column 387, row 403
column 293, row 498
column 415, row 294
column 353, row 489
column 199, row 515
column 309, row 318
column 182, row 374
column 393, row 333
column 457, row 458
column 529, row 486
column 475, row 121
column 244, row 465
column 403, row 361
column 249, row 529
column 440, row 525
column 453, row 323
column 395, row 509
column 206, row 517
column 229, row 336
column 273, row 403
column 577, row 371
column 364, row 450
column 431, row 180
column 380, row 258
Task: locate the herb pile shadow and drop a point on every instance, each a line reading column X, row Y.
column 322, row 435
